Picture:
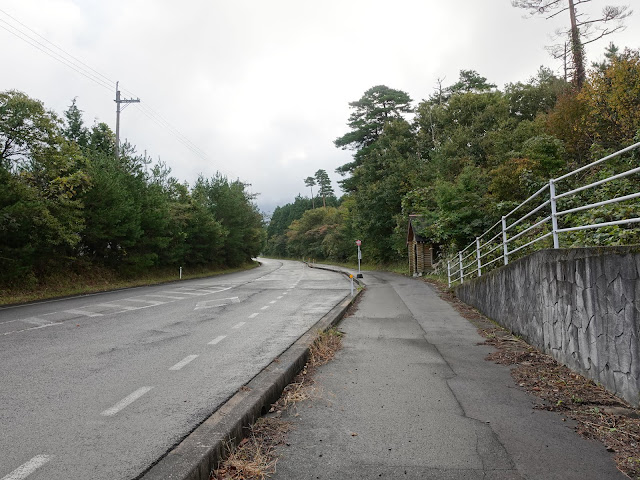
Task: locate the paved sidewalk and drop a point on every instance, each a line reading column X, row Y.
column 411, row 396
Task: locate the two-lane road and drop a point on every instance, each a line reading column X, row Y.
column 101, row 386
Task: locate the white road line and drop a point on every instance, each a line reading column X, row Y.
column 37, row 321
column 284, row 293
column 26, row 469
column 166, row 296
column 126, row 401
column 115, row 305
column 238, row 325
column 82, row 312
column 141, row 300
column 278, row 298
column 254, row 315
column 184, row 362
column 273, row 301
column 217, row 339
column 32, row 328
column 264, row 308
column 185, row 293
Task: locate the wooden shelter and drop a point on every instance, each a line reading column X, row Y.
column 421, row 252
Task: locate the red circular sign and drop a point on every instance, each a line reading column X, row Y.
column 358, row 242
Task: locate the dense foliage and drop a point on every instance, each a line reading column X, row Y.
column 466, row 156
column 67, row 202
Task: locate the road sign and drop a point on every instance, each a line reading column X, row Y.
column 358, row 242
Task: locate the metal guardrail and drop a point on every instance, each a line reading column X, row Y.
column 487, row 253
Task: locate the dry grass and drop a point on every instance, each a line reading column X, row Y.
column 599, row 414
column 255, row 458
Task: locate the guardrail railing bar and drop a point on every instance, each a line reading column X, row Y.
column 598, row 225
column 542, row 189
column 538, row 208
column 544, row 220
column 531, row 242
column 593, row 164
column 492, row 261
column 491, row 228
column 599, row 182
column 492, row 250
column 599, row 204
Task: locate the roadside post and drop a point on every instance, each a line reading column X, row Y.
column 351, row 277
column 180, row 273
column 358, row 243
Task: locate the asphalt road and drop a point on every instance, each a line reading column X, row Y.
column 101, row 386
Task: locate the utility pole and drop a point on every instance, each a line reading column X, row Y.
column 118, row 110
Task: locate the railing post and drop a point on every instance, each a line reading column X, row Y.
column 449, row 272
column 554, row 216
column 505, row 247
column 461, row 267
column 478, row 257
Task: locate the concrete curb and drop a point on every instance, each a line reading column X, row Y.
column 344, row 272
column 198, row 454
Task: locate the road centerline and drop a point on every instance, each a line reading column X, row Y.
column 185, row 361
column 26, row 469
column 125, row 402
column 238, row 325
column 254, row 315
column 217, row 340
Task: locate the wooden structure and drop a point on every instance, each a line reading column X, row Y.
column 421, row 253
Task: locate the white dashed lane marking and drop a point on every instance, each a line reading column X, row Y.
column 273, row 301
column 125, row 402
column 183, row 362
column 254, row 315
column 115, row 305
column 217, row 339
column 166, row 296
column 264, row 308
column 84, row 313
column 26, row 469
column 238, row 325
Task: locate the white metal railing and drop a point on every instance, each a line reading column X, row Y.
column 485, row 254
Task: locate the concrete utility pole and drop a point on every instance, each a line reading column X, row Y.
column 118, row 101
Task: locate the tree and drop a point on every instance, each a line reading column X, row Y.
column 582, row 30
column 75, row 131
column 378, row 106
column 311, row 182
column 324, row 182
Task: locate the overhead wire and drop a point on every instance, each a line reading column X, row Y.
column 94, row 75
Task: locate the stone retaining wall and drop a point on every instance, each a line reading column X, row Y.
column 582, row 306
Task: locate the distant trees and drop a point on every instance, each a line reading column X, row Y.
column 66, row 202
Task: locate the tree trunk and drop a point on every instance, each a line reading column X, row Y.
column 577, row 53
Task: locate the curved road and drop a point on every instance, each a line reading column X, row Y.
column 101, row 386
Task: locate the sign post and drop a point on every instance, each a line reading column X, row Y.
column 358, row 243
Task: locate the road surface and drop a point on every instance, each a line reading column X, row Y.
column 101, row 386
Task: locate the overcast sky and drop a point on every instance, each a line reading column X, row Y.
column 262, row 87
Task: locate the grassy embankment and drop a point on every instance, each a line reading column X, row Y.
column 100, row 280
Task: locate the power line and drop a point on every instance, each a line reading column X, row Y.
column 92, row 74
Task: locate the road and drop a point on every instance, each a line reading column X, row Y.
column 101, row 386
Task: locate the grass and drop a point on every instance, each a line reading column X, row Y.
column 99, row 280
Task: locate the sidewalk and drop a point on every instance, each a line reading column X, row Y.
column 411, row 396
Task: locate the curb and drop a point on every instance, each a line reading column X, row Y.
column 344, row 272
column 202, row 450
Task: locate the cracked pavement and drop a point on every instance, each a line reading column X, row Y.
column 411, row 396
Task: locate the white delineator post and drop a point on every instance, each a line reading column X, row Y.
column 351, row 277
